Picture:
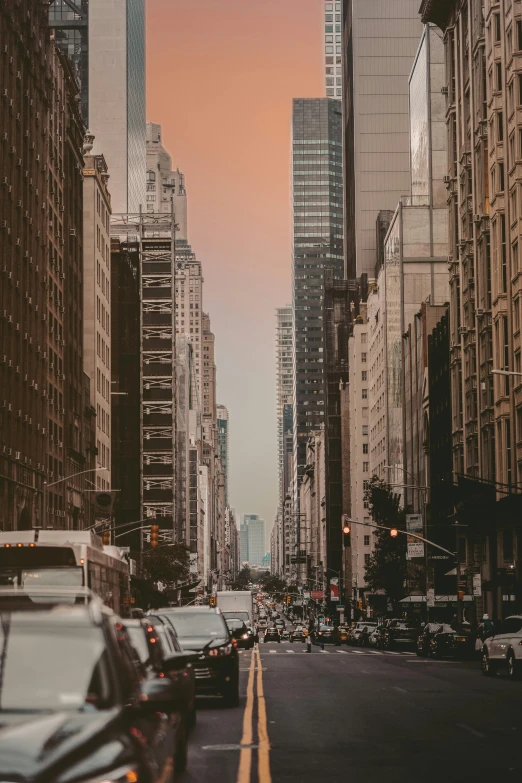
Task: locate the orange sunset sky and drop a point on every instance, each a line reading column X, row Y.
column 221, row 75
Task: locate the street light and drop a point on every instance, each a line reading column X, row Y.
column 54, row 483
column 507, row 372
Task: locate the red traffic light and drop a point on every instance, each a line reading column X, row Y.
column 394, row 532
column 154, row 530
column 346, row 528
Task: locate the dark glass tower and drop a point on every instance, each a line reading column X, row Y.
column 71, row 29
column 317, row 179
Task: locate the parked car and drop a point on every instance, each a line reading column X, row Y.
column 400, row 633
column 76, row 705
column 504, row 649
column 453, row 643
column 425, row 636
column 239, row 632
column 272, row 635
column 157, row 648
column 203, row 628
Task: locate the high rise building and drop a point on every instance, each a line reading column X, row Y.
column 105, row 43
column 252, row 540
column 223, row 442
column 165, row 187
column 97, row 298
column 333, row 49
column 284, row 387
column 379, row 48
column 317, row 244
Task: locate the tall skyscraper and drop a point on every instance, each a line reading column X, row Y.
column 105, row 43
column 379, row 48
column 252, row 540
column 333, row 49
column 318, row 244
column 284, row 387
column 223, row 440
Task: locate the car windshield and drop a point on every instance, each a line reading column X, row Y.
column 50, row 665
column 205, row 624
column 244, row 616
column 234, row 624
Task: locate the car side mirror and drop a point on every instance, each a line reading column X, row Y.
column 157, row 694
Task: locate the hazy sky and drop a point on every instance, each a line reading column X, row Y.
column 221, row 75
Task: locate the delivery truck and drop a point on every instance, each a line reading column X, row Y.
column 238, row 604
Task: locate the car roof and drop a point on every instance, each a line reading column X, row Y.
column 188, row 610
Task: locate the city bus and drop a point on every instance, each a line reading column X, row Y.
column 65, row 558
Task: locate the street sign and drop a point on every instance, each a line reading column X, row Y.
column 477, row 585
column 317, row 595
column 414, row 524
column 306, row 594
column 340, row 608
column 334, row 589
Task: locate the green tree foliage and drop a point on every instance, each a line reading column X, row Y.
column 271, row 583
column 387, row 568
column 243, row 579
column 167, row 564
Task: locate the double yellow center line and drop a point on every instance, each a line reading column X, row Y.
column 263, row 744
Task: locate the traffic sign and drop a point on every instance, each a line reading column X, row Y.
column 340, row 608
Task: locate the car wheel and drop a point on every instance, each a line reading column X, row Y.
column 488, row 668
column 180, row 761
column 513, row 668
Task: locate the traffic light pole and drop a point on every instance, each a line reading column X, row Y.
column 394, row 532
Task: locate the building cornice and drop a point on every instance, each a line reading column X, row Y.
column 438, row 12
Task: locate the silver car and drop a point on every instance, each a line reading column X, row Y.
column 504, row 649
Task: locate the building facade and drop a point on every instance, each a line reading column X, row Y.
column 252, row 540
column 317, row 244
column 284, row 389
column 375, row 85
column 97, row 300
column 482, row 42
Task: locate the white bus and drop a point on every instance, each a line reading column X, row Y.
column 65, row 558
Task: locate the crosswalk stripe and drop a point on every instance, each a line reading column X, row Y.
column 274, row 652
column 292, row 652
column 343, row 652
column 324, row 651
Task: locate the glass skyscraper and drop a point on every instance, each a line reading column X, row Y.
column 104, row 41
column 317, row 180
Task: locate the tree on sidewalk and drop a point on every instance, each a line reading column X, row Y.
column 388, row 569
column 169, row 565
column 243, row 579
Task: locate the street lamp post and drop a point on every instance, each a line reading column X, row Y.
column 60, row 481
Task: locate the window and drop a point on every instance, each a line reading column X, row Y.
column 365, row 467
column 364, row 338
column 498, row 76
column 511, row 625
column 513, row 204
column 514, row 257
column 516, row 314
column 365, row 448
column 363, row 358
column 364, row 394
column 365, row 429
column 364, row 375
column 518, row 41
column 500, row 128
column 496, row 28
column 366, row 558
column 501, row 177
column 151, row 176
column 518, row 365
column 503, row 259
column 366, row 540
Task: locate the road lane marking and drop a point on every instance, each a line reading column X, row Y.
column 245, row 757
column 291, row 652
column 397, row 688
column 274, row 652
column 324, row 651
column 343, row 652
column 471, row 730
column 263, row 753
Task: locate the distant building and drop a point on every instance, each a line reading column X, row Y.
column 252, row 540
column 265, row 563
column 284, row 386
column 333, row 50
column 223, row 440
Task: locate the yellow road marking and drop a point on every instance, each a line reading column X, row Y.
column 263, row 753
column 245, row 758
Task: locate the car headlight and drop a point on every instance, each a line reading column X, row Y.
column 225, row 650
column 122, row 775
column 245, row 636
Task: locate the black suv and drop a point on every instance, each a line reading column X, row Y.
column 73, row 705
column 203, row 629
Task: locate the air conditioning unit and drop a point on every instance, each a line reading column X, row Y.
column 19, row 414
column 444, row 90
column 477, row 218
column 3, row 359
column 463, row 329
column 17, row 455
column 479, row 311
column 446, row 179
column 72, row 232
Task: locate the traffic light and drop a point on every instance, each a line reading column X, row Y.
column 212, row 600
column 394, row 532
column 346, row 533
column 106, row 537
column 154, row 530
column 359, row 605
column 460, row 595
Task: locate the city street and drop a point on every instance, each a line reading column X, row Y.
column 345, row 714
